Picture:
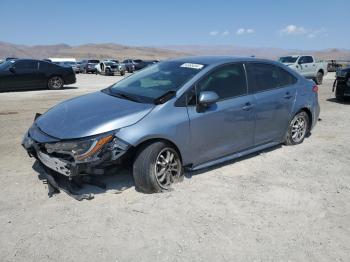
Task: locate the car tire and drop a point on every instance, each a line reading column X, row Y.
column 339, row 93
column 108, row 72
column 297, row 129
column 122, row 73
column 156, row 167
column 85, row 71
column 319, row 78
column 55, row 83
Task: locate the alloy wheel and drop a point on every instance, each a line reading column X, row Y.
column 299, row 126
column 55, row 82
column 167, row 167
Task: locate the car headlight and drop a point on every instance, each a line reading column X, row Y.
column 81, row 150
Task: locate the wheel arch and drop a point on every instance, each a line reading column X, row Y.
column 157, row 139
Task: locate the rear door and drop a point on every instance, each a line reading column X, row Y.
column 228, row 125
column 274, row 90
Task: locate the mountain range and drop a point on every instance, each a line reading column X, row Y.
column 117, row 51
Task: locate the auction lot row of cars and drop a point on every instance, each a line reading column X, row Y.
column 164, row 119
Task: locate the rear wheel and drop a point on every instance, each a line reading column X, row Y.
column 319, row 78
column 339, row 93
column 297, row 129
column 55, row 82
column 156, row 167
column 108, row 71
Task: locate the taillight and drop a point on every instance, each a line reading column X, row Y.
column 315, row 89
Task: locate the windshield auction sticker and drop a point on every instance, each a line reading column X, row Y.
column 193, row 66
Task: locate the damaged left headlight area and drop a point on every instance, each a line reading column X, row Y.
column 86, row 156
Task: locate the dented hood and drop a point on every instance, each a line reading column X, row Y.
column 90, row 115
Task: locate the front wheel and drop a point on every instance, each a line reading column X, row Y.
column 55, row 82
column 122, row 73
column 297, row 129
column 156, row 167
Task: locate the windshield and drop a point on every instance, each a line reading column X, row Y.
column 110, row 63
column 288, row 59
column 157, row 80
column 5, row 65
column 93, row 61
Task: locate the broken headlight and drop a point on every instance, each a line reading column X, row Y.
column 82, row 150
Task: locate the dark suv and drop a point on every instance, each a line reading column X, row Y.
column 88, row 66
column 342, row 84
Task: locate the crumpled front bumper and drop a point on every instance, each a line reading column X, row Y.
column 34, row 141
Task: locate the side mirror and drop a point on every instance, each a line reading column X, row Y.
column 207, row 98
column 12, row 69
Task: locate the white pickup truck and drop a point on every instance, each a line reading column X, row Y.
column 307, row 66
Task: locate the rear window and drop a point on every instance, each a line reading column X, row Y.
column 94, row 61
column 263, row 76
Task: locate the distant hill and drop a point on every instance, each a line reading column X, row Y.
column 110, row 50
column 263, row 52
column 99, row 51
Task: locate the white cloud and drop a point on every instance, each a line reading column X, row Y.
column 214, row 33
column 225, row 33
column 242, row 31
column 300, row 30
column 293, row 30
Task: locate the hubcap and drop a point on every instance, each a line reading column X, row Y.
column 299, row 126
column 167, row 167
column 55, row 82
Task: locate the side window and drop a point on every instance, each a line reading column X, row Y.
column 262, row 76
column 306, row 60
column 309, row 59
column 227, row 81
column 285, row 78
column 45, row 66
column 26, row 65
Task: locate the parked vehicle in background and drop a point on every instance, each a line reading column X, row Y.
column 307, row 66
column 110, row 68
column 139, row 64
column 88, row 66
column 29, row 73
column 190, row 112
column 130, row 65
column 341, row 84
column 66, row 62
column 333, row 66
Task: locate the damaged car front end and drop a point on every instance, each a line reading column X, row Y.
column 85, row 156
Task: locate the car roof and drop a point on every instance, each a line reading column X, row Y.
column 213, row 60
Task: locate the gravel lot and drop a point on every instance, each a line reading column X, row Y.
column 285, row 204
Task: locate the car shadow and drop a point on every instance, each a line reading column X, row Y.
column 343, row 102
column 13, row 90
column 116, row 181
column 119, row 179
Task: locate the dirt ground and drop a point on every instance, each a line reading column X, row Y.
column 285, row 204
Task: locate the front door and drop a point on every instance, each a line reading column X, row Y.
column 228, row 125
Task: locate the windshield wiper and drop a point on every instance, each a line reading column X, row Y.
column 164, row 98
column 123, row 96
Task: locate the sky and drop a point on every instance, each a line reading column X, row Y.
column 296, row 24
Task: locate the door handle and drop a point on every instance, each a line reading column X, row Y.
column 287, row 95
column 247, row 106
